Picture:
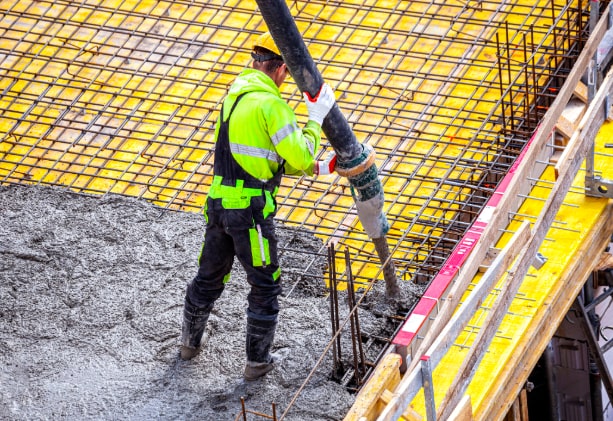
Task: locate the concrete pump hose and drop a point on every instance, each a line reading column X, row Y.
column 360, row 167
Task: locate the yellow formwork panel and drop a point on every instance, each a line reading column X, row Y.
column 575, row 219
column 122, row 96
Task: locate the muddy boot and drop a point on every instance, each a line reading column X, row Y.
column 194, row 323
column 260, row 334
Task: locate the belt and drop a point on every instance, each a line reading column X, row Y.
column 219, row 188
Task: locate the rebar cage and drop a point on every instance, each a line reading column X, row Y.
column 121, row 96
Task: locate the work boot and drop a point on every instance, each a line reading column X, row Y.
column 260, row 334
column 254, row 371
column 194, row 323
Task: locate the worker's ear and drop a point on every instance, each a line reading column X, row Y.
column 283, row 70
column 280, row 74
column 287, row 72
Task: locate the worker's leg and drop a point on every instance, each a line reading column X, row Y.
column 215, row 261
column 260, row 335
column 192, row 330
column 256, row 249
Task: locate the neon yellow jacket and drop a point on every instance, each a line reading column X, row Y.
column 263, row 130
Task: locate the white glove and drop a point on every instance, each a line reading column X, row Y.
column 320, row 105
column 327, row 166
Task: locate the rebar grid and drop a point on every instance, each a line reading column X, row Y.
column 122, row 97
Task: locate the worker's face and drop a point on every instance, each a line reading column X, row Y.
column 280, row 75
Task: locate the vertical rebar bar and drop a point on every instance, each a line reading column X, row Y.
column 501, row 84
column 244, row 409
column 534, row 78
column 510, row 77
column 353, row 327
column 334, row 316
column 554, row 39
column 356, row 334
column 527, row 100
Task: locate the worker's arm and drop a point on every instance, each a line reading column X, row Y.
column 295, row 146
column 318, row 108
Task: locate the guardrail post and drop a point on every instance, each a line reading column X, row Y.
column 426, row 374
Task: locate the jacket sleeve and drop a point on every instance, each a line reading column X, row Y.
column 298, row 147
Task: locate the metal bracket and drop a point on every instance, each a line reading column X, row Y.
column 426, row 373
column 596, row 186
column 539, row 261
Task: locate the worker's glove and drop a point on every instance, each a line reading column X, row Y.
column 326, row 166
column 319, row 105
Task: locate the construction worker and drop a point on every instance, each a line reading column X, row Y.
column 257, row 141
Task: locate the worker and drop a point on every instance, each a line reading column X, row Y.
column 257, row 141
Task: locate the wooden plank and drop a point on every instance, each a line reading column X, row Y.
column 523, row 404
column 546, row 321
column 385, row 376
column 463, row 412
column 581, row 92
column 519, row 409
column 587, row 129
column 448, row 335
column 565, row 127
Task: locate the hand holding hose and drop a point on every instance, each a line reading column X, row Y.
column 320, row 105
column 326, row 166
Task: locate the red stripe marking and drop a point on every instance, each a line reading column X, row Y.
column 441, row 281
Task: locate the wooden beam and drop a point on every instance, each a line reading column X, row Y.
column 581, row 91
column 385, row 377
column 565, row 127
column 523, row 405
column 587, row 128
column 448, row 335
column 462, row 412
column 546, row 321
column 476, row 298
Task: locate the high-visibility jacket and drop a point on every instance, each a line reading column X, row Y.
column 263, row 132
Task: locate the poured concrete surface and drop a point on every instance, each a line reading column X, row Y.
column 91, row 292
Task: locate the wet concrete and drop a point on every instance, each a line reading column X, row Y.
column 91, row 292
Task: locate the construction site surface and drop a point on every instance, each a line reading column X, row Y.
column 480, row 115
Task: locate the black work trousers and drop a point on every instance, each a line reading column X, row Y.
column 246, row 234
